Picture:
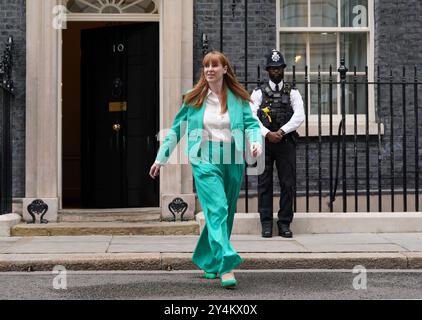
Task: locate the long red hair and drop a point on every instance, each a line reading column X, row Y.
column 197, row 95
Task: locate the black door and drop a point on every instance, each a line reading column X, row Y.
column 120, row 103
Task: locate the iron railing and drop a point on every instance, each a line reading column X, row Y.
column 352, row 166
column 6, row 93
column 391, row 174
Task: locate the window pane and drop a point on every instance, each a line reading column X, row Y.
column 353, row 48
column 293, row 47
column 324, row 13
column 354, row 13
column 350, row 95
column 294, row 13
column 325, row 102
column 323, row 48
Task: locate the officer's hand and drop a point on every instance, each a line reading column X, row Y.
column 274, row 137
column 281, row 132
column 155, row 170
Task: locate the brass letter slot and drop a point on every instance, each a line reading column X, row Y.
column 117, row 106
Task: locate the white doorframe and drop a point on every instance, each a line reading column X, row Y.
column 90, row 18
column 43, row 167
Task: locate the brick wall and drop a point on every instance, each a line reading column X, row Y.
column 398, row 44
column 261, row 33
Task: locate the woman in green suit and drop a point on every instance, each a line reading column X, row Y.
column 217, row 115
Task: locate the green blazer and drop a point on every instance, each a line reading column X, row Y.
column 241, row 121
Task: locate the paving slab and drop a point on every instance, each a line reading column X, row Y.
column 410, row 245
column 148, row 247
column 342, row 238
column 346, row 247
column 268, row 246
column 153, row 239
column 9, row 239
column 5, row 245
column 258, row 238
column 7, row 242
column 3, row 248
column 57, row 247
column 401, row 236
column 60, row 239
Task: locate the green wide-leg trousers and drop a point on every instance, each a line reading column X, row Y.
column 217, row 186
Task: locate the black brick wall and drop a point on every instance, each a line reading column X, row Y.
column 13, row 23
column 398, row 42
column 261, row 33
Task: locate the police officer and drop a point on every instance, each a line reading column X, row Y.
column 279, row 108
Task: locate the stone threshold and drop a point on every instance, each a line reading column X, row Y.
column 105, row 228
column 109, row 215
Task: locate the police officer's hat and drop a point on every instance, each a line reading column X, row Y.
column 275, row 59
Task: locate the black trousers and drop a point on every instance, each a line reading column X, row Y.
column 284, row 156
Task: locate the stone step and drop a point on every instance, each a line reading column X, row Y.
column 109, row 215
column 105, row 228
column 318, row 223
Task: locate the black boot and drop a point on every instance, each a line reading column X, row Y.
column 267, row 230
column 284, row 231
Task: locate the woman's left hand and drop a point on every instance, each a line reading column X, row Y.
column 155, row 170
column 256, row 150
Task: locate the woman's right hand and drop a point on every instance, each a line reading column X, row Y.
column 155, row 170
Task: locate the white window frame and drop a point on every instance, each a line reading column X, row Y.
column 370, row 31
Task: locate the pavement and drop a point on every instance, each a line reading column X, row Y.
column 303, row 251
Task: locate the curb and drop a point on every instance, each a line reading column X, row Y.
column 182, row 261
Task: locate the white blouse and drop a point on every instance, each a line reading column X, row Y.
column 216, row 124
